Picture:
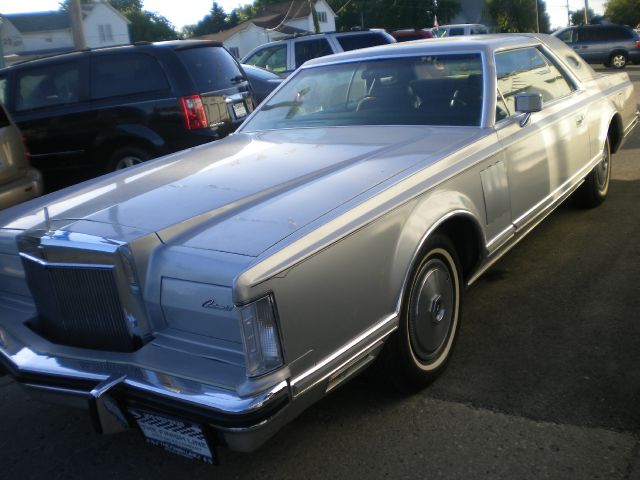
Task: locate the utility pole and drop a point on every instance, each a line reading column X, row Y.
column 1, row 46
column 537, row 18
column 586, row 12
column 568, row 15
column 76, row 25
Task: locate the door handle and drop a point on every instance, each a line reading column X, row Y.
column 579, row 120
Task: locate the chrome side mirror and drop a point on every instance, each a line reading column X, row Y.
column 528, row 103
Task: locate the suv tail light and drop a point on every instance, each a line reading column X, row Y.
column 194, row 115
column 27, row 152
column 638, row 43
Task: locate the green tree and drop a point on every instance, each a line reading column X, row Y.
column 149, row 26
column 577, row 17
column 215, row 22
column 126, row 5
column 518, row 15
column 626, row 12
column 394, row 14
column 64, row 5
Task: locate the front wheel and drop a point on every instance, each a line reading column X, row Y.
column 430, row 316
column 618, row 60
column 596, row 184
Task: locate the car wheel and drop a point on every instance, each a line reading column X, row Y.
column 127, row 157
column 596, row 185
column 618, row 60
column 430, row 316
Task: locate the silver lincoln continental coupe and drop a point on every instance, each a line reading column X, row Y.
column 210, row 296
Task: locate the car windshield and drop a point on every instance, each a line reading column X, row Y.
column 424, row 90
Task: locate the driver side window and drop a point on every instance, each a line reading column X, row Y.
column 527, row 70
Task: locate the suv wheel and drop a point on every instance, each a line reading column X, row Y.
column 618, row 60
column 127, row 157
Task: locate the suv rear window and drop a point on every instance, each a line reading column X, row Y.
column 308, row 49
column 362, row 40
column 211, row 68
column 125, row 74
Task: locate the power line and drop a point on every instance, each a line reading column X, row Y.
column 275, row 29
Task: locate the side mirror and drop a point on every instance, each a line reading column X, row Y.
column 528, row 103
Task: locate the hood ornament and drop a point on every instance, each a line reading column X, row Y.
column 47, row 220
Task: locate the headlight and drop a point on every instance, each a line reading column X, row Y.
column 260, row 337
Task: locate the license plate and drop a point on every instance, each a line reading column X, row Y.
column 177, row 436
column 239, row 110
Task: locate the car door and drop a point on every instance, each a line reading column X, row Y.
column 592, row 42
column 50, row 105
column 544, row 155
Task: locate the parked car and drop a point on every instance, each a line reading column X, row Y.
column 459, row 29
column 262, row 81
column 211, row 296
column 409, row 34
column 18, row 181
column 106, row 109
column 284, row 56
column 612, row 45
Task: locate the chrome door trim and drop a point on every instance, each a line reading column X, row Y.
column 348, row 354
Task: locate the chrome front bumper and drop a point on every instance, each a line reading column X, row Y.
column 109, row 389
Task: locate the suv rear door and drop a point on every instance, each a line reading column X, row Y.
column 222, row 86
column 132, row 101
column 49, row 102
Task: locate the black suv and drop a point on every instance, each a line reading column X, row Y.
column 102, row 110
column 612, row 45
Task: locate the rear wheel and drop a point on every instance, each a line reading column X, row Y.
column 617, row 60
column 596, row 185
column 127, row 157
column 419, row 351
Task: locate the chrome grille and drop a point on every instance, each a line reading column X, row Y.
column 79, row 306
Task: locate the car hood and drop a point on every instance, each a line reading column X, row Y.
column 245, row 193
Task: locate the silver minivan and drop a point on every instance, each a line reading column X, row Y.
column 18, row 181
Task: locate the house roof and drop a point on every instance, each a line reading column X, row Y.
column 294, row 8
column 47, row 21
column 39, row 21
column 268, row 21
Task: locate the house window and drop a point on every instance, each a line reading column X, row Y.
column 234, row 51
column 322, row 17
column 106, row 35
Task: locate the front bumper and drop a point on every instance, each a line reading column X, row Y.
column 108, row 389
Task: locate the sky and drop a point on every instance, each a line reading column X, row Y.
column 187, row 12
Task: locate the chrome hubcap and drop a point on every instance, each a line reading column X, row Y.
column 618, row 61
column 129, row 161
column 432, row 307
column 602, row 171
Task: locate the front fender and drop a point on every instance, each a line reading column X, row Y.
column 430, row 212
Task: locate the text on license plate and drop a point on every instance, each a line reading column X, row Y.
column 177, row 436
column 239, row 110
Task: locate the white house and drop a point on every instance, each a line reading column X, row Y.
column 29, row 35
column 275, row 21
column 104, row 25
